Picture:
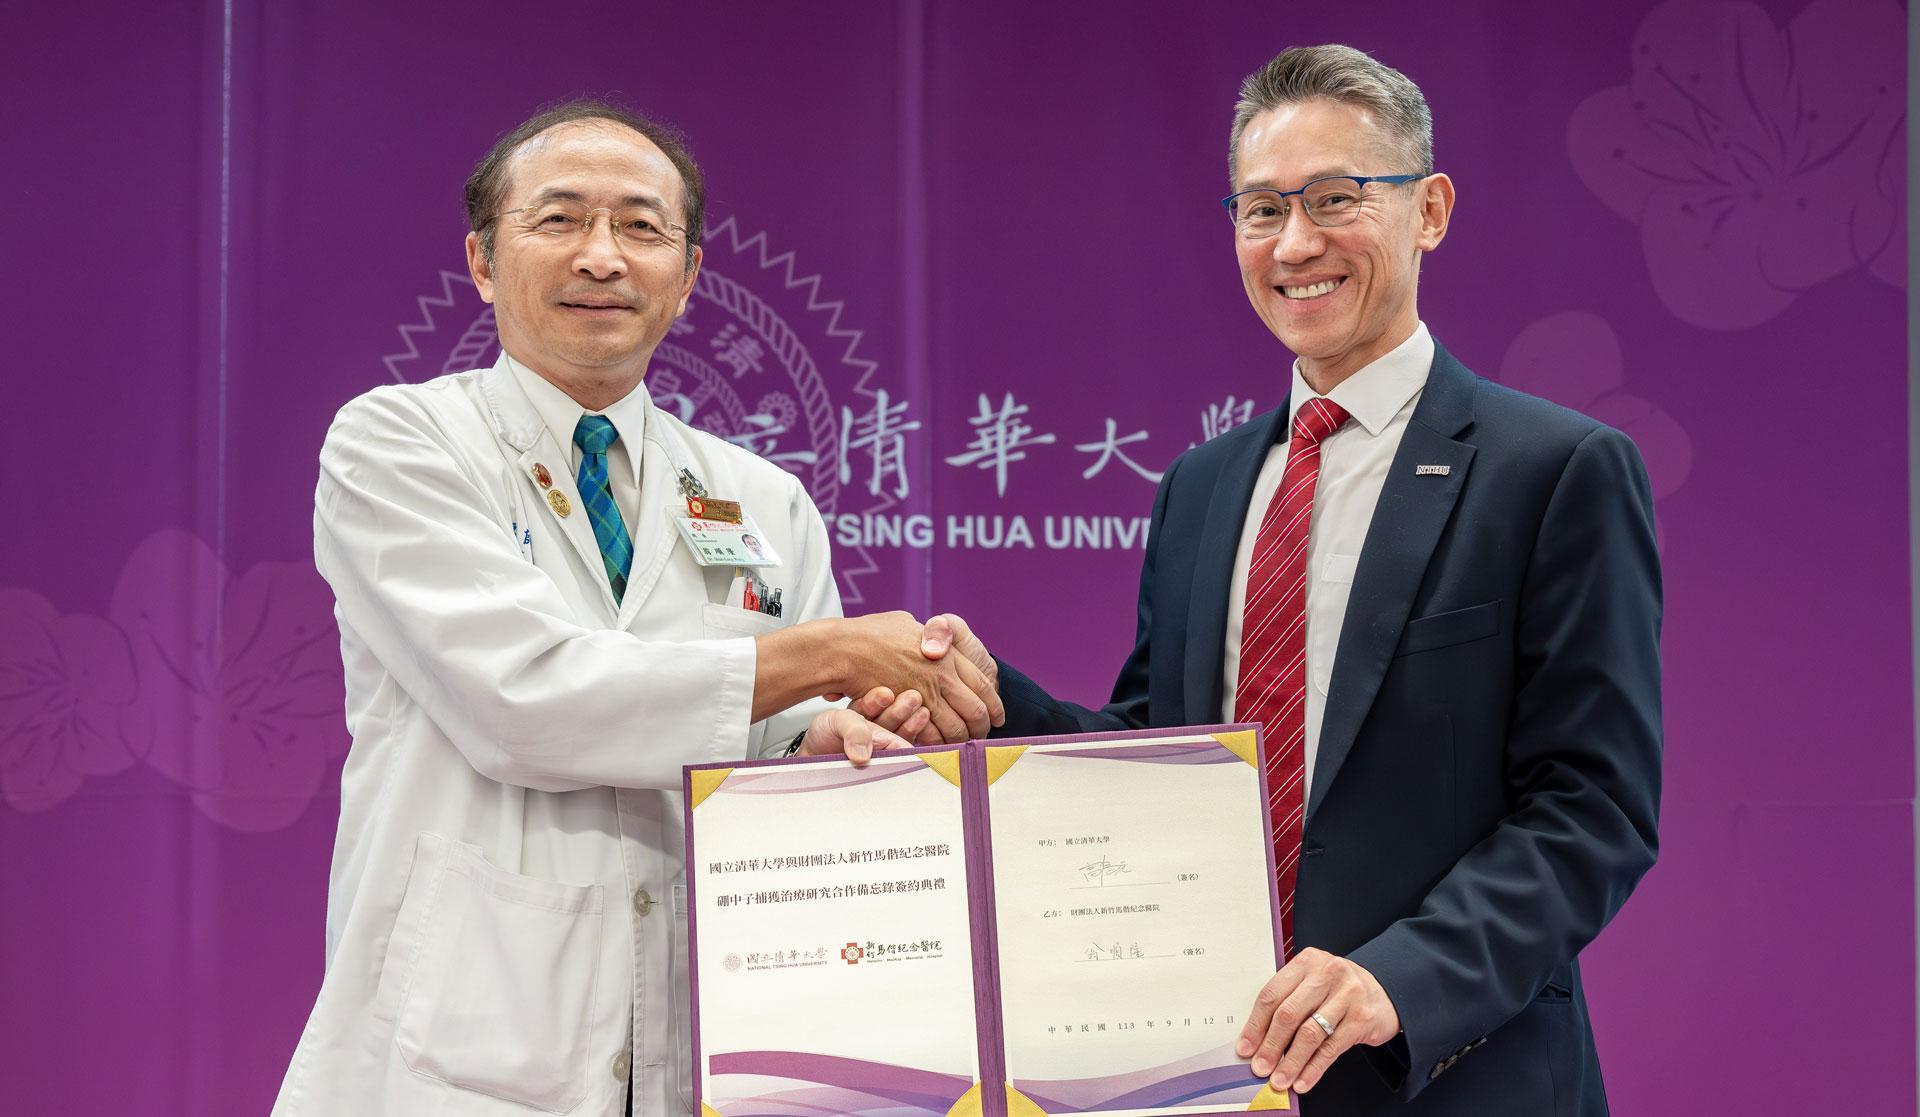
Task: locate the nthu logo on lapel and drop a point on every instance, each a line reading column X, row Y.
column 1432, row 470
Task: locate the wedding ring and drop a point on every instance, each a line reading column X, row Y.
column 1322, row 1021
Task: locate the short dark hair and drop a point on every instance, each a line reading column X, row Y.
column 487, row 186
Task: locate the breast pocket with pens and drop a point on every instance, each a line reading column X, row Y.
column 752, row 594
column 762, row 598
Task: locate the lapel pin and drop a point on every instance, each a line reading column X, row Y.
column 1432, row 470
column 562, row 507
column 541, row 475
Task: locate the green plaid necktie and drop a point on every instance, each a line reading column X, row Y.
column 593, row 434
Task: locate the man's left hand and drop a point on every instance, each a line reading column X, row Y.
column 904, row 714
column 838, row 732
column 1287, row 1033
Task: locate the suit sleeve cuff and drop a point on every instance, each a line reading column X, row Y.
column 1391, row 1062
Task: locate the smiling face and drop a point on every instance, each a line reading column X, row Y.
column 586, row 311
column 1342, row 297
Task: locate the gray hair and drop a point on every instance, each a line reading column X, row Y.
column 1339, row 73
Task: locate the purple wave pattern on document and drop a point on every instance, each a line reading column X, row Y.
column 799, row 779
column 1206, row 752
column 798, row 1084
column 1217, row 1075
column 1758, row 161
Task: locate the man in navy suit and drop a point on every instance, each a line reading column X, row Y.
column 1455, row 653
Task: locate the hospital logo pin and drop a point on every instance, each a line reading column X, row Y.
column 561, row 505
column 1432, row 470
column 541, row 475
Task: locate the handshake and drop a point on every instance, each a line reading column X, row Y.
column 906, row 686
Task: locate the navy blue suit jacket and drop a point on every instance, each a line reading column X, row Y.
column 1488, row 777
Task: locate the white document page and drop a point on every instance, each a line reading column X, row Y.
column 834, row 961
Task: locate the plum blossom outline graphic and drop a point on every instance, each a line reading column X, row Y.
column 1757, row 161
column 240, row 680
column 65, row 684
column 1574, row 359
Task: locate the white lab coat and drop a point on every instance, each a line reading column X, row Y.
column 506, row 924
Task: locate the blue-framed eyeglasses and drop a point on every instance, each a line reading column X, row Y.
column 1262, row 212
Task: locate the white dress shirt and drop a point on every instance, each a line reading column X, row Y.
column 1353, row 467
column 561, row 414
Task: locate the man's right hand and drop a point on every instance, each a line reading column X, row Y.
column 950, row 631
column 894, row 650
column 855, row 655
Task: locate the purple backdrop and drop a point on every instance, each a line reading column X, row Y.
column 1683, row 218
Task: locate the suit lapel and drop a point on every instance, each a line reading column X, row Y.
column 1413, row 510
column 1213, row 565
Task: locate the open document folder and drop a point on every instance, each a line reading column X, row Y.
column 1047, row 926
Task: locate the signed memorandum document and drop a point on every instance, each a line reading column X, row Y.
column 1044, row 926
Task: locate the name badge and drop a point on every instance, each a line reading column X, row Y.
column 718, row 543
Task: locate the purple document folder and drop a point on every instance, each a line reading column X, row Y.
column 755, row 847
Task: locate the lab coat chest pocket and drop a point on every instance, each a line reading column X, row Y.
column 499, row 978
column 725, row 621
column 1327, row 603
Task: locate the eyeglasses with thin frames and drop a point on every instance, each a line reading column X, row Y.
column 1329, row 202
column 639, row 228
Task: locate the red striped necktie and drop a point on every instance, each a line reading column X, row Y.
column 1272, row 688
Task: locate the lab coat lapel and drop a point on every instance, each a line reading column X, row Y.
column 1407, row 522
column 653, row 531
column 519, row 425
column 577, row 526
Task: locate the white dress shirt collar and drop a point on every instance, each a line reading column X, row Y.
column 1376, row 393
column 561, row 414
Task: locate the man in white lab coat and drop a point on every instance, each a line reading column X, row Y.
column 534, row 646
